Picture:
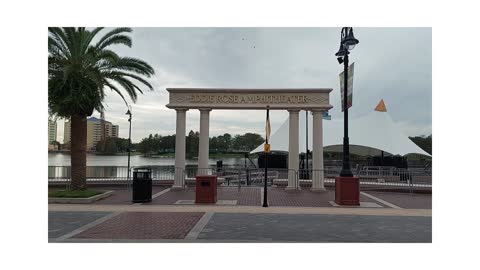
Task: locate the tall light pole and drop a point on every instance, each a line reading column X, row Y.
column 266, row 151
column 347, row 43
column 129, row 113
column 306, row 144
column 347, row 187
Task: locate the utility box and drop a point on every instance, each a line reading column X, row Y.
column 206, row 189
column 142, row 185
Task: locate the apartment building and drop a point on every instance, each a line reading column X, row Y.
column 94, row 131
column 52, row 131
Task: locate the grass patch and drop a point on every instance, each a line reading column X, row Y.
column 73, row 193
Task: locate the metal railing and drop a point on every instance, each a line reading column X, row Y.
column 371, row 177
column 249, row 176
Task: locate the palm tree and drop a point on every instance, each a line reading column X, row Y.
column 80, row 67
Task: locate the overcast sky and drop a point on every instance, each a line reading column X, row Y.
column 390, row 63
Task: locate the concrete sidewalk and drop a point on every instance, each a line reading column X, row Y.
column 204, row 223
column 300, row 216
column 159, row 227
column 243, row 209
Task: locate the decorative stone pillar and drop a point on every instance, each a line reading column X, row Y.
column 179, row 179
column 293, row 150
column 317, row 172
column 203, row 145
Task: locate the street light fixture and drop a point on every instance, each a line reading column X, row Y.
column 347, row 43
column 129, row 113
column 350, row 41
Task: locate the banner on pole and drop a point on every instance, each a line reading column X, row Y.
column 350, row 87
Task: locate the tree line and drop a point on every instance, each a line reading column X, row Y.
column 424, row 142
column 112, row 145
column 158, row 144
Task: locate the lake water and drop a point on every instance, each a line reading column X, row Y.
column 63, row 159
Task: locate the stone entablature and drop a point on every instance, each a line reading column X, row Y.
column 222, row 98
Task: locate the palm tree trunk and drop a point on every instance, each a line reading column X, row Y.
column 78, row 152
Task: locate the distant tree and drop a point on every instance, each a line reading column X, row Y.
column 192, row 142
column 247, row 142
column 146, row 146
column 110, row 146
column 423, row 142
column 168, row 143
column 100, row 147
column 121, row 144
column 222, row 143
column 227, row 138
column 213, row 144
column 252, row 140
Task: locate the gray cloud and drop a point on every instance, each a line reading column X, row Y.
column 390, row 63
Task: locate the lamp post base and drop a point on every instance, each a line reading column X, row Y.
column 347, row 190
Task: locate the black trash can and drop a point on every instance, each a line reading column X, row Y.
column 142, row 185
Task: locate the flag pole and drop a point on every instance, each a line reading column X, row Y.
column 266, row 150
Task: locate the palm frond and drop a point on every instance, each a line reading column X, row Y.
column 116, row 39
column 125, row 74
column 128, row 86
column 113, row 32
column 115, row 89
column 134, row 65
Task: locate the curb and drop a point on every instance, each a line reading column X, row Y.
column 81, row 200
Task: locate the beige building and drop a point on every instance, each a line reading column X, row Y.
column 94, row 131
column 52, row 131
column 52, row 135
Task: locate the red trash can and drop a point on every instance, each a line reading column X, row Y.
column 206, row 189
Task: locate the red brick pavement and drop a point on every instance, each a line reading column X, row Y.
column 143, row 225
column 244, row 196
column 304, row 198
column 276, row 196
column 123, row 196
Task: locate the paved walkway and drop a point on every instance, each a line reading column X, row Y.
column 156, row 223
column 252, row 196
column 301, row 216
column 317, row 228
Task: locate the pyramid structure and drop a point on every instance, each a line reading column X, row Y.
column 368, row 135
column 381, row 107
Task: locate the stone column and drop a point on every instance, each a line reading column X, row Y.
column 179, row 179
column 293, row 150
column 317, row 173
column 203, row 142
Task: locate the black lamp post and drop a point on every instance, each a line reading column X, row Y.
column 347, row 43
column 129, row 141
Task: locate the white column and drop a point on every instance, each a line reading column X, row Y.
column 293, row 150
column 179, row 179
column 318, row 175
column 203, row 142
